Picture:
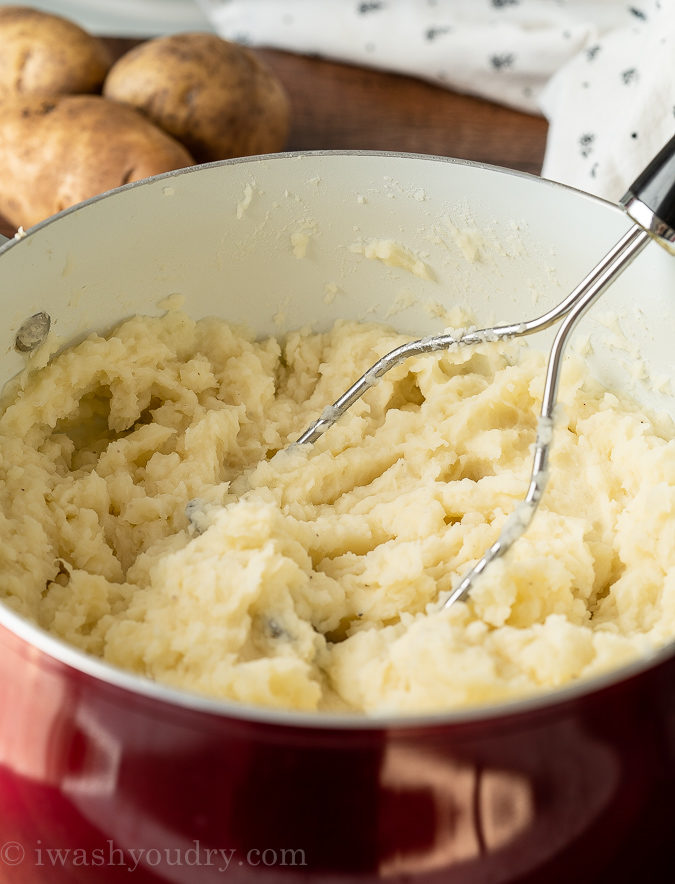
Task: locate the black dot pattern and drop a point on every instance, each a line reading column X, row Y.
column 602, row 71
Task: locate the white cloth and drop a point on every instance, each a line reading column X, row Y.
column 501, row 49
column 602, row 71
column 612, row 107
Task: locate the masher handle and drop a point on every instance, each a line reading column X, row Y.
column 650, row 200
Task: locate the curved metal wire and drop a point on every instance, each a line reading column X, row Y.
column 595, row 284
column 570, row 310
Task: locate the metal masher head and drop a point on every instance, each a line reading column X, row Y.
column 650, row 203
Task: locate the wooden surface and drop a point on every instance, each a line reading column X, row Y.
column 344, row 107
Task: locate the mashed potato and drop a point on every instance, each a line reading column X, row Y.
column 309, row 578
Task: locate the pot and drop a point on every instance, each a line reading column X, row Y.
column 103, row 774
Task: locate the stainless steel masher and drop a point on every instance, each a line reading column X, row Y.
column 650, row 203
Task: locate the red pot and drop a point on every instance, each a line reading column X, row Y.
column 104, row 776
column 99, row 777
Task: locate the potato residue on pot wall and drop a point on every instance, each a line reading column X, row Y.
column 313, row 580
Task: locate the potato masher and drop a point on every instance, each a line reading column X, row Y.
column 650, row 203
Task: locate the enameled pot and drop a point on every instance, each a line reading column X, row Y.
column 105, row 776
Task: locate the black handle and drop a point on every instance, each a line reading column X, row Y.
column 654, row 188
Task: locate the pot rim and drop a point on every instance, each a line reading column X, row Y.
column 99, row 670
column 9, row 242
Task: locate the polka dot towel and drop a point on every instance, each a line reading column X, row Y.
column 602, row 71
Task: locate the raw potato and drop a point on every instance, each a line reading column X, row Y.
column 212, row 95
column 57, row 151
column 47, row 54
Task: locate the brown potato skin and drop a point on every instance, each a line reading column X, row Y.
column 42, row 53
column 214, row 96
column 56, row 151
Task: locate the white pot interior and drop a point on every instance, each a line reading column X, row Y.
column 228, row 239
